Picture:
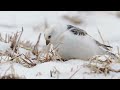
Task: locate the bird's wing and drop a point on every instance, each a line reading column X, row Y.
column 80, row 32
column 77, row 31
column 103, row 46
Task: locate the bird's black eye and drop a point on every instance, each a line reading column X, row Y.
column 49, row 37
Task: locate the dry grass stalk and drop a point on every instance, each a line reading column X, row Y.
column 5, row 38
column 101, row 36
column 54, row 73
column 15, row 42
column 15, row 57
column 29, row 64
column 47, row 53
column 27, row 55
column 104, row 65
column 73, row 74
column 51, row 53
column 8, row 38
column 25, row 61
column 1, row 39
column 33, row 64
column 13, row 74
column 113, row 70
column 35, row 50
column 118, row 50
column 19, row 37
column 26, row 45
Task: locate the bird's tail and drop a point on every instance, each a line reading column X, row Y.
column 112, row 55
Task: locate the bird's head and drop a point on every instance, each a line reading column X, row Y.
column 53, row 32
column 50, row 35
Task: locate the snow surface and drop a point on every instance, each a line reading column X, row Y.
column 33, row 22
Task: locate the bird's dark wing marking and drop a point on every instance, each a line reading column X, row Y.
column 70, row 26
column 77, row 31
column 104, row 46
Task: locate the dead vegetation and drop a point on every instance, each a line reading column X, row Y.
column 11, row 74
column 33, row 55
column 48, row 53
column 54, row 73
column 99, row 65
column 73, row 19
column 35, row 50
column 31, row 58
column 102, row 64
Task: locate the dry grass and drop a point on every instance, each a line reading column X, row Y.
column 12, row 74
column 73, row 74
column 14, row 42
column 98, row 65
column 73, row 19
column 55, row 73
column 35, row 50
column 101, row 36
column 45, row 55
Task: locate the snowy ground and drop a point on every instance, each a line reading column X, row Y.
column 33, row 22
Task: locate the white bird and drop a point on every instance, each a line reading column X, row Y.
column 75, row 43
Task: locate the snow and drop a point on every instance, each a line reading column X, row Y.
column 4, row 46
column 33, row 23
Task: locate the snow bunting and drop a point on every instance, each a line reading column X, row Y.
column 75, row 43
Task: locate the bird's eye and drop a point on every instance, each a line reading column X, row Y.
column 49, row 37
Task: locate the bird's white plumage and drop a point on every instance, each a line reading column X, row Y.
column 73, row 46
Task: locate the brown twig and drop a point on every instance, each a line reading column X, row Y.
column 32, row 64
column 17, row 42
column 28, row 59
column 35, row 50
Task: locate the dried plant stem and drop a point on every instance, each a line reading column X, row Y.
column 5, row 38
column 73, row 74
column 27, row 62
column 118, row 50
column 115, row 70
column 17, row 43
column 19, row 37
column 16, row 57
column 35, row 50
column 28, row 59
column 8, row 69
column 101, row 36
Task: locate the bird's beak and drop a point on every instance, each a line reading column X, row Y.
column 47, row 42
